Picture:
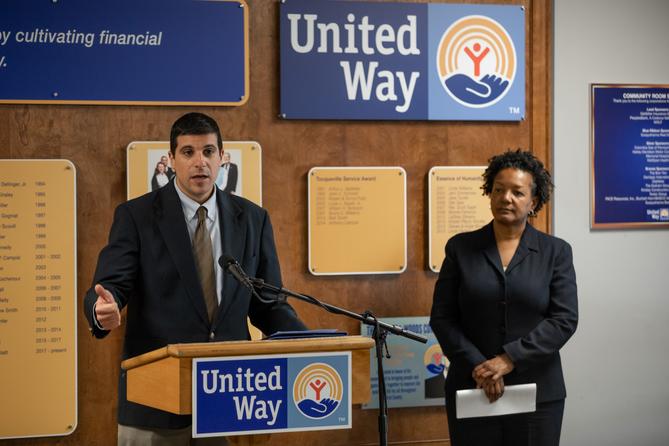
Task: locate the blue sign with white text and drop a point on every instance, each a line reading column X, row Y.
column 123, row 51
column 630, row 156
column 408, row 61
column 260, row 394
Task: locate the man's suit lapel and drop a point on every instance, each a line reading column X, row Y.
column 233, row 235
column 172, row 225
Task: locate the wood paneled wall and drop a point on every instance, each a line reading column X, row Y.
column 95, row 139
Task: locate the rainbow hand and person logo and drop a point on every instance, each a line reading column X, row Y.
column 476, row 61
column 435, row 361
column 436, row 364
column 317, row 391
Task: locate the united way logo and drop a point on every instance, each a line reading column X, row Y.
column 476, row 60
column 317, row 391
column 435, row 361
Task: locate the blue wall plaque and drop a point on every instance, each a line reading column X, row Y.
column 630, row 156
column 149, row 52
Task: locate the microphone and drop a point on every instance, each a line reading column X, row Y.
column 229, row 264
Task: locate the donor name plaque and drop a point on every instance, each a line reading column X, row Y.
column 357, row 220
column 38, row 298
column 456, row 204
column 271, row 393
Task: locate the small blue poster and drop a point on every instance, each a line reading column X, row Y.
column 630, row 156
column 415, row 373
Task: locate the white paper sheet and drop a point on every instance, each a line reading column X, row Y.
column 516, row 399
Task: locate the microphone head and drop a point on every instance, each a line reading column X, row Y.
column 226, row 260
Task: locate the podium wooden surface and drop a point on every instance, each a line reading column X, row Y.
column 162, row 378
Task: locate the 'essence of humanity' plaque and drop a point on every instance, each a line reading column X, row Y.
column 456, row 204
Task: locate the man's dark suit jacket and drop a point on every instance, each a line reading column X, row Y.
column 530, row 311
column 231, row 185
column 148, row 265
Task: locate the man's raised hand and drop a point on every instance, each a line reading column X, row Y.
column 107, row 312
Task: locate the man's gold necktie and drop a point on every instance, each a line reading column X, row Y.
column 204, row 262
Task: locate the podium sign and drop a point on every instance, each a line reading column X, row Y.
column 240, row 395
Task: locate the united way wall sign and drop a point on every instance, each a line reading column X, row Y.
column 403, row 61
column 148, row 52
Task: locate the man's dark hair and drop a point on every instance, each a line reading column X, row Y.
column 194, row 124
column 542, row 185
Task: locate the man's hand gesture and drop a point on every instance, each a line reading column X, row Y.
column 107, row 312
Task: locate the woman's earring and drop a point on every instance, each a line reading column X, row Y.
column 532, row 213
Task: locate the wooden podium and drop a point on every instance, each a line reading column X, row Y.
column 162, row 378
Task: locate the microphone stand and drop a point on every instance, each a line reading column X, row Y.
column 381, row 330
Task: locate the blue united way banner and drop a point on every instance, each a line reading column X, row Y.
column 271, row 393
column 148, row 52
column 402, row 61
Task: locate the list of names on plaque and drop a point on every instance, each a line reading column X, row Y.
column 339, row 200
column 456, row 205
column 630, row 156
column 37, row 297
column 357, row 220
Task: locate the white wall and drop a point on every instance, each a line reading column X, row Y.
column 617, row 364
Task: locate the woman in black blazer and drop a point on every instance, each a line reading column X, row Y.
column 504, row 304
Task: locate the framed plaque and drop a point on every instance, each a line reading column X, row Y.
column 357, row 220
column 124, row 52
column 456, row 204
column 38, row 298
column 630, row 156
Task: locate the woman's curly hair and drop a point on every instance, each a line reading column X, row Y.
column 542, row 185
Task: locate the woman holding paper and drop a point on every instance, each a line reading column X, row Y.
column 504, row 304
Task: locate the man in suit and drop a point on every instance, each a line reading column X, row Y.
column 160, row 262
column 227, row 176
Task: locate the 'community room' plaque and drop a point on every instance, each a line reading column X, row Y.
column 630, row 156
column 38, row 334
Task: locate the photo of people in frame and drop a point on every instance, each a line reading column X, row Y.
column 159, row 169
column 230, row 176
